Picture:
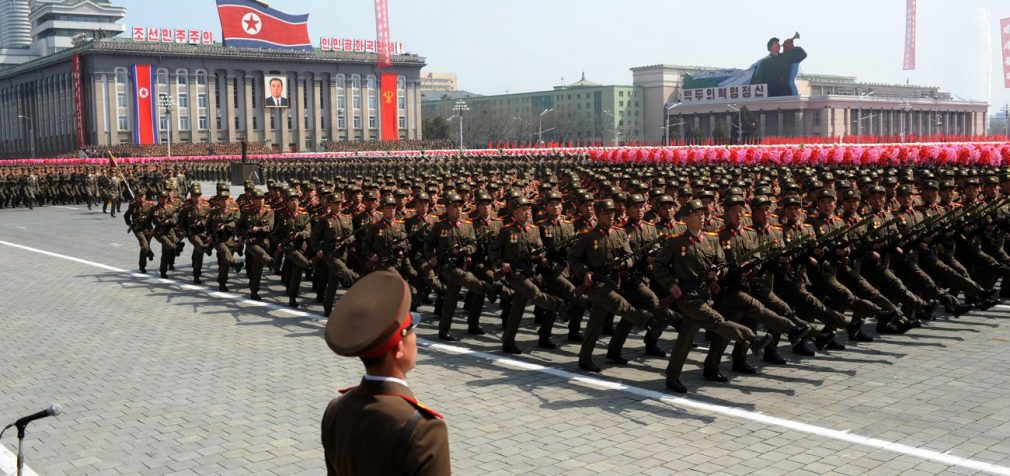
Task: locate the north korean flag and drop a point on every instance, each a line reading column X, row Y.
column 145, row 115
column 245, row 23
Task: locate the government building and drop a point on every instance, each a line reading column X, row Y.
column 825, row 106
column 84, row 96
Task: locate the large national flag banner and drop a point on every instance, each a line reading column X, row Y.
column 382, row 33
column 145, row 131
column 245, row 23
column 390, row 118
column 1004, row 28
column 910, row 15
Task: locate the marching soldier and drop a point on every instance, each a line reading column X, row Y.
column 256, row 227
column 293, row 229
column 194, row 214
column 332, row 237
column 164, row 217
column 689, row 267
column 222, row 224
column 137, row 220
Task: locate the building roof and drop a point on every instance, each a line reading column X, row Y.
column 447, row 95
column 127, row 47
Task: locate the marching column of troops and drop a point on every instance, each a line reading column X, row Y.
column 749, row 254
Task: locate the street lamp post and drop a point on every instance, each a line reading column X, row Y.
column 460, row 108
column 666, row 116
column 31, row 131
column 540, row 128
column 168, row 103
column 859, row 113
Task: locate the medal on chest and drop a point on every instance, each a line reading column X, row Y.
column 444, row 233
column 683, row 251
column 596, row 244
column 513, row 238
column 382, row 232
column 548, row 233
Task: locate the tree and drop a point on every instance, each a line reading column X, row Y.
column 720, row 132
column 435, row 128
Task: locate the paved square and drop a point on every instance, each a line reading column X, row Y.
column 162, row 377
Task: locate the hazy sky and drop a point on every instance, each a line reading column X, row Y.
column 523, row 45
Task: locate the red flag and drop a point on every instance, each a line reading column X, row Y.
column 249, row 24
column 1004, row 27
column 382, row 33
column 390, row 118
column 144, row 115
column 910, row 14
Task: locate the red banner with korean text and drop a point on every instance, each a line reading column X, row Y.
column 382, row 33
column 390, row 118
column 78, row 79
column 1004, row 28
column 910, row 15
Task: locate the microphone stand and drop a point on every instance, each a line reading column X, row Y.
column 21, row 451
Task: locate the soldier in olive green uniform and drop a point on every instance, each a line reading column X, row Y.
column 519, row 252
column 137, row 219
column 385, row 240
column 688, row 267
column 331, row 239
column 194, row 214
column 222, row 224
column 379, row 427
column 450, row 245
column 600, row 260
column 293, row 229
column 255, row 228
column 164, row 217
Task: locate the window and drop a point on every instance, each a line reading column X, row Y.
column 401, row 94
column 403, row 122
column 182, row 98
column 161, row 78
column 356, row 92
column 357, row 121
column 620, row 93
column 122, row 101
column 201, row 100
column 620, row 103
column 373, row 101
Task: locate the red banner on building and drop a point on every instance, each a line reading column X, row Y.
column 1004, row 28
column 145, row 130
column 382, row 33
column 78, row 78
column 390, row 118
column 910, row 15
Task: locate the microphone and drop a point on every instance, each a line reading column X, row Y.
column 22, row 422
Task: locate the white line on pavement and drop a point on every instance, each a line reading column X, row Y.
column 9, row 464
column 67, row 208
column 20, row 227
column 726, row 410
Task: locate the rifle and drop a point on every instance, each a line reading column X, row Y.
column 447, row 255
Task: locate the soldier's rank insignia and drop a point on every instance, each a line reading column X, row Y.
column 596, row 244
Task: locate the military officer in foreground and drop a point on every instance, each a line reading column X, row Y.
column 379, row 427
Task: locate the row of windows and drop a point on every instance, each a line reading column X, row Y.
column 182, row 101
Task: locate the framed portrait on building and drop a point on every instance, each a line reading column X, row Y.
column 277, row 91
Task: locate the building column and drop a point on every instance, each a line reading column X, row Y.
column 334, row 132
column 801, row 124
column 286, row 114
column 300, row 110
column 761, row 125
column 414, row 109
column 212, row 107
column 318, row 131
column 194, row 110
column 228, row 115
column 250, row 131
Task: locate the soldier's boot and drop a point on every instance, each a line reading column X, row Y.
column 771, row 354
column 827, row 340
column 608, row 326
column 855, row 331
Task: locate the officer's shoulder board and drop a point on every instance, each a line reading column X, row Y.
column 568, row 222
column 777, row 227
column 712, row 233
column 468, row 222
column 808, row 225
column 748, row 228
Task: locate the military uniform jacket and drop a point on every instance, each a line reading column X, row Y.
column 333, row 227
column 221, row 222
column 384, row 238
column 414, row 228
column 451, row 239
column 486, row 229
column 554, row 232
column 686, row 260
column 293, row 226
column 671, row 227
column 164, row 218
column 597, row 250
column 137, row 214
column 514, row 245
column 193, row 216
column 262, row 220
